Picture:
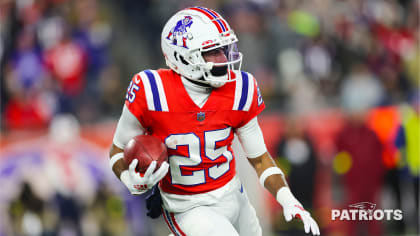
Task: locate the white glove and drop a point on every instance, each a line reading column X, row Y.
column 292, row 208
column 138, row 184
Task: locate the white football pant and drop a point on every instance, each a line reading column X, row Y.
column 232, row 215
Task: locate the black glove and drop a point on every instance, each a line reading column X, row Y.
column 154, row 203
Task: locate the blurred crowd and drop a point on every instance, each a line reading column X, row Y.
column 61, row 56
column 55, row 59
column 353, row 64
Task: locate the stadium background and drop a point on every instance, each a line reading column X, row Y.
column 340, row 80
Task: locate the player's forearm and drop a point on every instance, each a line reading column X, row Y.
column 119, row 166
column 271, row 177
column 273, row 182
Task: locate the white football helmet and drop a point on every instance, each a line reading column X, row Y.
column 195, row 30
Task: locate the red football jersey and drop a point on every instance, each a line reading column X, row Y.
column 199, row 140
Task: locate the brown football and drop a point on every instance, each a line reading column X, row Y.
column 145, row 148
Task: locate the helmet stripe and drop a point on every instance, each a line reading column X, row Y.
column 221, row 19
column 224, row 29
column 224, row 23
column 216, row 16
column 217, row 24
column 211, row 13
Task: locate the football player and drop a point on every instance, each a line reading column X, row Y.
column 195, row 108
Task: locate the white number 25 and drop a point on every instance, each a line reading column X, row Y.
column 192, row 142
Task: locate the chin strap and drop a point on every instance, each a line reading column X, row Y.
column 199, row 83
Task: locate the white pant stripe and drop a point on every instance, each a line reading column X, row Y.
column 170, row 223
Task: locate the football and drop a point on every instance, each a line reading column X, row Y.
column 145, row 148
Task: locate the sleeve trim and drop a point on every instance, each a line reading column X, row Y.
column 244, row 92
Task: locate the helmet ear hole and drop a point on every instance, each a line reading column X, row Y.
column 183, row 60
column 178, row 57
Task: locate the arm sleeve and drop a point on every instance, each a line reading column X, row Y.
column 128, row 126
column 251, row 138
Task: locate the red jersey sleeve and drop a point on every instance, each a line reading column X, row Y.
column 257, row 103
column 135, row 98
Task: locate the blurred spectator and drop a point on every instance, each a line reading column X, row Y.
column 26, row 213
column 296, row 154
column 361, row 90
column 110, row 87
column 29, row 105
column 359, row 149
column 26, row 63
column 384, row 121
column 318, row 60
column 363, row 179
column 250, row 27
column 24, row 113
column 302, row 94
column 407, row 140
column 66, row 61
column 105, row 216
column 93, row 33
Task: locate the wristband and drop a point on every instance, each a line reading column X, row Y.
column 115, row 158
column 269, row 172
column 285, row 197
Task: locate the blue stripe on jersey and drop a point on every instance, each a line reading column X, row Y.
column 156, row 99
column 244, row 94
column 215, row 17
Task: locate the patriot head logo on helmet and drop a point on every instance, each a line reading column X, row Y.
column 179, row 31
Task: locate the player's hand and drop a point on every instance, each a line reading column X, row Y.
column 293, row 209
column 297, row 211
column 139, row 184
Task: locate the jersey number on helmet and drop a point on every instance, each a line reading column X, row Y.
column 194, row 158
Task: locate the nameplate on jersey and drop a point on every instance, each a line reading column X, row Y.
column 244, row 92
column 155, row 94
